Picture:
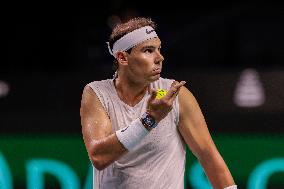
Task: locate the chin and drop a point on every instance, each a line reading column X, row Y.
column 155, row 77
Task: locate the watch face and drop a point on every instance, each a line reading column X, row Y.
column 149, row 121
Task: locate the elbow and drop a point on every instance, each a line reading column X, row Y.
column 98, row 158
column 98, row 163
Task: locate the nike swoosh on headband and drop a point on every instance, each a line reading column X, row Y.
column 148, row 32
column 131, row 39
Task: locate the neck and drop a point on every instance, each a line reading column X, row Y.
column 130, row 92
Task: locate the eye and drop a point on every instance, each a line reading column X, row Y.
column 148, row 50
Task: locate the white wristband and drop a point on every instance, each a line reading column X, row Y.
column 131, row 135
column 231, row 187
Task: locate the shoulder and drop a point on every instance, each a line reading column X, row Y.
column 187, row 100
column 93, row 93
column 99, row 83
column 98, row 86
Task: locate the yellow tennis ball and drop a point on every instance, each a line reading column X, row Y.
column 161, row 93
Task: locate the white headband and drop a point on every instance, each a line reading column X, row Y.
column 131, row 39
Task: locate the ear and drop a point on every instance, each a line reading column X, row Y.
column 121, row 58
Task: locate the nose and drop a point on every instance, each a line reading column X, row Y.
column 160, row 58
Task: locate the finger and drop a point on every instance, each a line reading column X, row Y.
column 179, row 84
column 173, row 91
column 177, row 92
column 174, row 83
column 153, row 94
column 179, row 87
column 182, row 83
column 171, row 100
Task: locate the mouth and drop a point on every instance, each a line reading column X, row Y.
column 157, row 70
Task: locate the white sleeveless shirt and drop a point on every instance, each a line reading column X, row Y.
column 158, row 161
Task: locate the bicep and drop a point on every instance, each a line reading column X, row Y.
column 94, row 120
column 192, row 124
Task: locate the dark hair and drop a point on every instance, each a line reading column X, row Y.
column 122, row 29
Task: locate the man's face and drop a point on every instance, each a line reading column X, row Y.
column 145, row 61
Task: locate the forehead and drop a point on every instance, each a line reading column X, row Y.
column 155, row 42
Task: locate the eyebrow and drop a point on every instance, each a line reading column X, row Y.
column 149, row 47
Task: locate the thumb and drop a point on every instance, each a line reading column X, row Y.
column 153, row 94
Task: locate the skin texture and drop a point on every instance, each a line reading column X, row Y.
column 135, row 73
column 193, row 129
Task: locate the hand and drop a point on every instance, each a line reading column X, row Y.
column 159, row 108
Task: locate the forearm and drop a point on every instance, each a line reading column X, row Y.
column 105, row 151
column 109, row 149
column 216, row 170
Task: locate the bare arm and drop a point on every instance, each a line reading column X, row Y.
column 193, row 128
column 102, row 144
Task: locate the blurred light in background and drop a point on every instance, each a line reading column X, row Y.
column 4, row 89
column 249, row 90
